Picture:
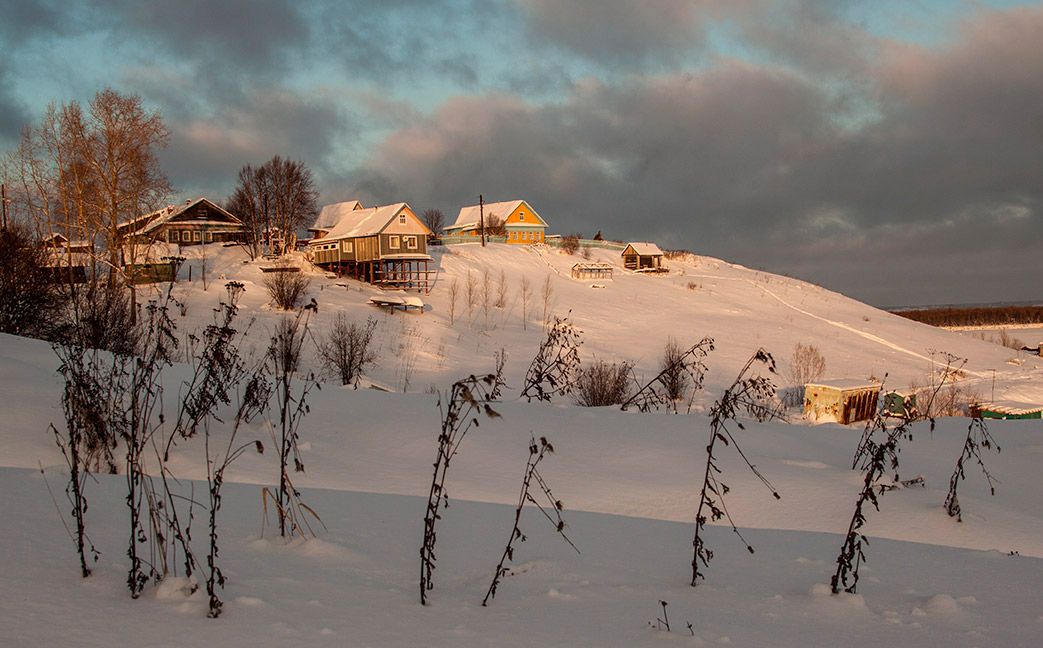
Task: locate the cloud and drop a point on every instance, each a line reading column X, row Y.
column 618, row 32
column 13, row 114
column 207, row 151
column 23, row 21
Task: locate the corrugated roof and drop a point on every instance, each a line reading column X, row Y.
column 364, row 222
column 845, row 384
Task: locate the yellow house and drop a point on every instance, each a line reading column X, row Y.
column 523, row 224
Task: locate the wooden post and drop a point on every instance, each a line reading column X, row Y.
column 481, row 216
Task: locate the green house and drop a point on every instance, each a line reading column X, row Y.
column 900, row 404
column 1007, row 410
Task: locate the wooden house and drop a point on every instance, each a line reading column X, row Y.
column 522, row 224
column 643, row 257
column 66, row 260
column 386, row 246
column 900, row 404
column 196, row 222
column 841, row 401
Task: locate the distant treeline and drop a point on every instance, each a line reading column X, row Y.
column 978, row 316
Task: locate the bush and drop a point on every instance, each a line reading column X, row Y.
column 807, row 364
column 346, row 349
column 30, row 303
column 675, row 379
column 287, row 287
column 570, row 243
column 602, row 384
column 103, row 317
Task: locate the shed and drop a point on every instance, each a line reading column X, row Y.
column 643, row 257
column 1007, row 410
column 901, row 404
column 842, row 401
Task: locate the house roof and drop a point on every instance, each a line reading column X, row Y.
column 331, row 214
column 469, row 216
column 365, row 222
column 644, row 249
column 162, row 216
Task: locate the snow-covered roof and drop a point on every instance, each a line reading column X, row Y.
column 1013, row 408
column 645, row 249
column 162, row 216
column 469, row 216
column 845, row 384
column 331, row 214
column 365, row 222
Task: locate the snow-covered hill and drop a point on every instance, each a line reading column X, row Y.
column 628, row 482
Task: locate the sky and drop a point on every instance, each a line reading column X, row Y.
column 892, row 150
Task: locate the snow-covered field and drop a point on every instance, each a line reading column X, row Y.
column 628, row 482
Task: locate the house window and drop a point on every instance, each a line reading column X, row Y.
column 346, row 245
column 393, row 242
column 203, row 213
column 197, row 236
column 209, row 237
column 411, row 242
column 521, row 216
column 514, row 235
column 401, row 219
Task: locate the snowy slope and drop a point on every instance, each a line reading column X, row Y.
column 628, row 482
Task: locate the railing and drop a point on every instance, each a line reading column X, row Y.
column 589, row 243
column 453, row 239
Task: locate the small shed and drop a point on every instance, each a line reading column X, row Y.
column 592, row 271
column 643, row 257
column 1007, row 410
column 842, row 401
column 900, row 404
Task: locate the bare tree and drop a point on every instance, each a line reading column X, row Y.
column 454, row 293
column 118, row 142
column 494, row 226
column 470, row 294
column 274, row 200
column 807, row 365
column 434, row 219
column 546, row 292
column 501, row 290
column 485, row 298
column 526, row 295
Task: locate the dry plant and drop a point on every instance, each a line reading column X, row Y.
column 552, row 372
column 411, row 344
column 532, row 475
column 806, row 365
column 681, row 372
column 485, row 298
column 501, row 290
column 754, row 395
column 978, row 437
column 465, row 399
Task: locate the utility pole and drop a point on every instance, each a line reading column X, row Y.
column 481, row 217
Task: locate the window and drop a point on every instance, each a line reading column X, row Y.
column 196, row 236
column 411, row 242
column 521, row 216
column 209, row 236
column 514, row 235
column 401, row 219
column 393, row 242
column 346, row 246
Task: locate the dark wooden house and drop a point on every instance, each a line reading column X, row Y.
column 196, row 222
column 386, row 246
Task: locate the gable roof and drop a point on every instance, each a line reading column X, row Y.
column 366, row 222
column 331, row 215
column 643, row 249
column 150, row 222
column 469, row 216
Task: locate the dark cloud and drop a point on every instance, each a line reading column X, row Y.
column 207, row 151
column 21, row 21
column 13, row 113
column 256, row 36
column 619, row 32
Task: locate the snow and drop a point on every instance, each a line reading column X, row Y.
column 628, row 482
column 645, row 249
